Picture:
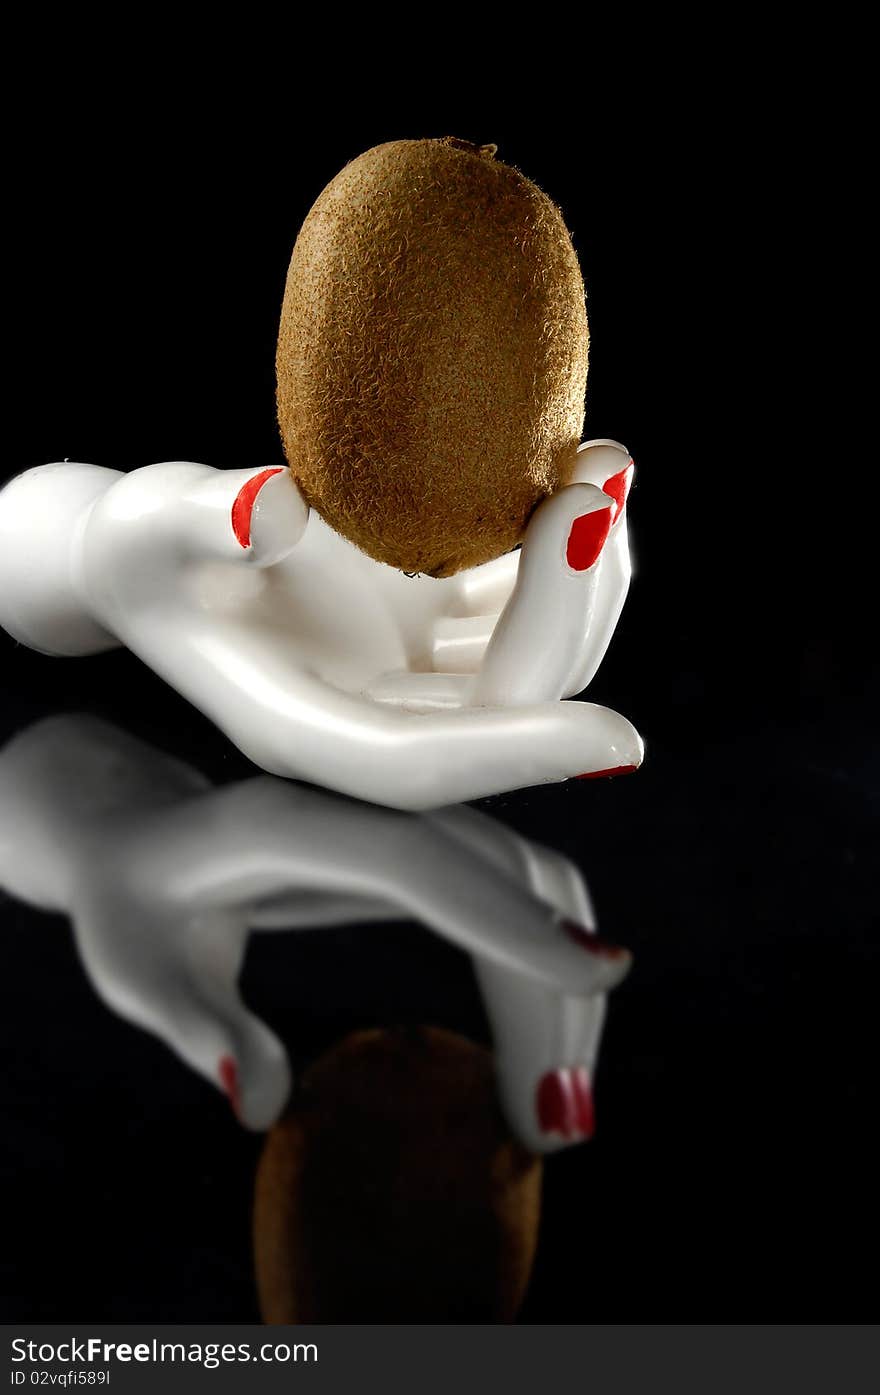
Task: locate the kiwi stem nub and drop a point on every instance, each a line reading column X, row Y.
column 489, row 151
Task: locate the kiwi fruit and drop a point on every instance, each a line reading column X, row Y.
column 393, row 1190
column 432, row 354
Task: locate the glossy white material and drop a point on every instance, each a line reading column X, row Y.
column 41, row 514
column 164, row 877
column 317, row 661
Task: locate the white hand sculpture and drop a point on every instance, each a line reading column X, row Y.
column 164, row 877
column 318, row 662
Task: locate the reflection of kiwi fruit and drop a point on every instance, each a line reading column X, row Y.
column 432, row 355
column 393, row 1191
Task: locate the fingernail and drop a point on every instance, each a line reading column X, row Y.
column 554, row 1103
column 606, row 774
column 228, row 1072
column 564, row 1103
column 618, row 487
column 585, row 1114
column 245, row 499
column 587, row 538
column 594, row 944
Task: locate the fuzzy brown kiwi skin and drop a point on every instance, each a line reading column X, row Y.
column 432, row 355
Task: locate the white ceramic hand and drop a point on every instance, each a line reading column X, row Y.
column 318, row 662
column 570, row 588
column 165, row 877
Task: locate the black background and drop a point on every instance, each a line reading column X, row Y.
column 734, row 1169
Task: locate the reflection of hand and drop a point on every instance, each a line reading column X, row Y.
column 164, row 877
column 317, row 661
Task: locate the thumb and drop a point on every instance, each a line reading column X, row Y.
column 143, row 965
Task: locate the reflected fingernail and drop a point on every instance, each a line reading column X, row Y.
column 228, row 1072
column 245, row 499
column 593, row 943
column 554, row 1103
column 585, row 1114
column 587, row 538
column 564, row 1103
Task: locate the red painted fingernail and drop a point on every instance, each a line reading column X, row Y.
column 587, row 538
column 228, row 1072
column 606, row 774
column 564, row 1103
column 554, row 1103
column 603, row 949
column 244, row 504
column 618, row 487
column 585, row 1114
